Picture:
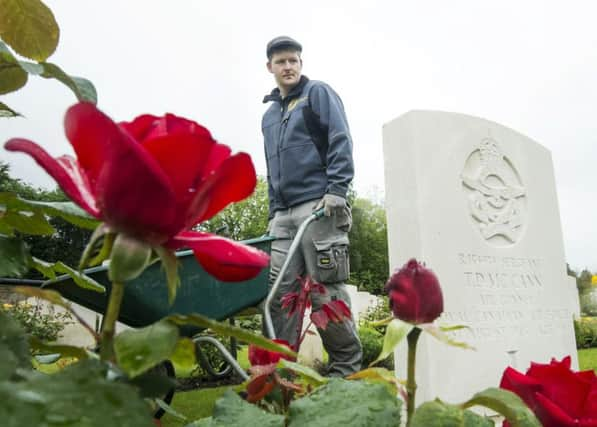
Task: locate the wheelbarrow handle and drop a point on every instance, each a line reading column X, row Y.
column 267, row 317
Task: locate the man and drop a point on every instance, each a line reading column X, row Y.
column 308, row 151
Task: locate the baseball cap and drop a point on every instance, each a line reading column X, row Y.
column 280, row 43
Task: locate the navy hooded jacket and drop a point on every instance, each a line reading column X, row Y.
column 308, row 147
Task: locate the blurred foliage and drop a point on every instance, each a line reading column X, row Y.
column 66, row 244
column 82, row 394
column 588, row 303
column 584, row 281
column 251, row 323
column 587, row 291
column 372, row 336
column 372, row 343
column 585, row 330
column 42, row 323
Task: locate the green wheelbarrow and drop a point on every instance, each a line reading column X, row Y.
column 145, row 300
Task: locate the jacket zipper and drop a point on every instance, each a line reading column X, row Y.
column 280, row 138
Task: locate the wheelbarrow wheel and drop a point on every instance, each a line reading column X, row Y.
column 212, row 361
column 166, row 369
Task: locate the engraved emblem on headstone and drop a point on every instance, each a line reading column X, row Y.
column 496, row 196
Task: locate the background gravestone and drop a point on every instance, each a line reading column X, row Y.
column 477, row 203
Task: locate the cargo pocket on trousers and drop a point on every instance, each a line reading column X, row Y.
column 344, row 219
column 332, row 260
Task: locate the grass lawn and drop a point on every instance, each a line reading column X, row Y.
column 200, row 403
column 587, row 359
column 193, row 405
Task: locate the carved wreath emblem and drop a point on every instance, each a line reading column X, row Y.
column 496, row 196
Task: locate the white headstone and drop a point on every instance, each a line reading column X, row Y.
column 574, row 297
column 477, row 203
column 361, row 302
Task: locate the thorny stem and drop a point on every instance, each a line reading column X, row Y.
column 109, row 323
column 411, row 384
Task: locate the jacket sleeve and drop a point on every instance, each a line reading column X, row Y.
column 340, row 167
column 270, row 194
column 270, row 189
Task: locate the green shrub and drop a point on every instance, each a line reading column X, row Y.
column 585, row 330
column 372, row 335
column 250, row 323
column 372, row 342
column 43, row 324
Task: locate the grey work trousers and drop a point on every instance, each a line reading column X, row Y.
column 323, row 256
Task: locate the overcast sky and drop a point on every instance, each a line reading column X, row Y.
column 528, row 65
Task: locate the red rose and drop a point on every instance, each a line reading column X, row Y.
column 153, row 179
column 259, row 356
column 415, row 294
column 558, row 396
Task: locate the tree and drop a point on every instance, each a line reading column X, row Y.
column 24, row 190
column 243, row 220
column 66, row 244
column 583, row 281
column 369, row 246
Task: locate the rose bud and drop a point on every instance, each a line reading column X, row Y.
column 415, row 294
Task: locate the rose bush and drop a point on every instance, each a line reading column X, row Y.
column 558, row 396
column 153, row 179
column 415, row 294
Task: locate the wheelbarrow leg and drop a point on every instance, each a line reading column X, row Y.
column 225, row 354
column 267, row 316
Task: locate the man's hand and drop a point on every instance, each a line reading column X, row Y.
column 331, row 204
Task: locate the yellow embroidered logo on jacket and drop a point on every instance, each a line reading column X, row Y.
column 292, row 104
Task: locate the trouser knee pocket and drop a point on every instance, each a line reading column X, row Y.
column 332, row 260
